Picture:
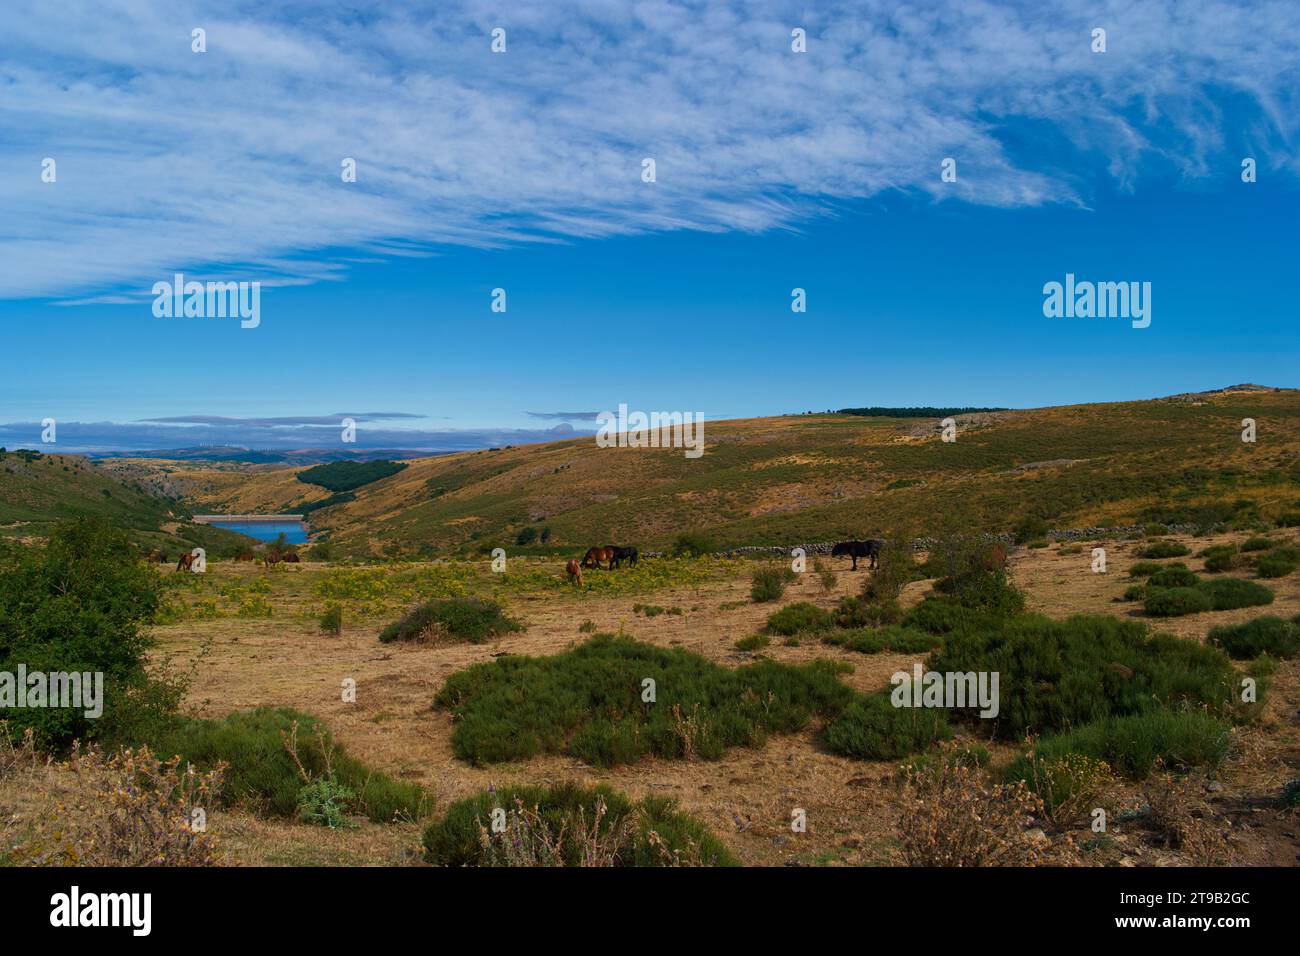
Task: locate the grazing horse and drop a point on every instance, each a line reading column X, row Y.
column 858, row 549
column 292, row 558
column 573, row 572
column 595, row 556
column 271, row 558
column 622, row 554
column 244, row 556
column 186, row 562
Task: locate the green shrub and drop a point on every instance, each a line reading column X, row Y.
column 1173, row 577
column 872, row 728
column 1144, row 569
column 1133, row 744
column 1221, row 557
column 768, row 583
column 1031, row 528
column 1227, row 594
column 1290, row 796
column 857, row 612
column 797, row 617
column 261, row 772
column 653, row 832
column 893, row 637
column 895, row 568
column 1264, row 635
column 1290, row 519
column 526, row 536
column 463, row 619
column 1056, row 674
column 1278, row 563
column 587, row 702
column 1257, row 543
column 1176, row 602
column 325, row 801
column 79, row 605
column 331, row 621
column 693, row 544
column 1135, row 592
column 944, row 616
column 754, row 642
column 1155, row 530
column 969, row 574
column 1164, row 549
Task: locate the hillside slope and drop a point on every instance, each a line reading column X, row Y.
column 818, row 477
column 38, row 490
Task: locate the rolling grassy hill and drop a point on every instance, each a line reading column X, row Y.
column 37, row 490
column 777, row 481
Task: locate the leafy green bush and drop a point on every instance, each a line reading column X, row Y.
column 1133, row 744
column 1056, row 674
column 1290, row 519
column 526, row 536
column 1164, row 549
column 872, row 728
column 1257, row 543
column 1144, row 569
column 78, row 605
column 588, row 702
column 768, row 583
column 261, row 772
column 1173, row 577
column 893, row 637
column 1176, row 602
column 800, row 616
column 653, row 832
column 753, row 642
column 1264, row 635
column 1227, row 594
column 463, row 619
column 325, row 801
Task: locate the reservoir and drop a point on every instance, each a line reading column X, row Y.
column 261, row 527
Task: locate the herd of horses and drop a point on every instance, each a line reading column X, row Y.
column 187, row 558
column 608, row 558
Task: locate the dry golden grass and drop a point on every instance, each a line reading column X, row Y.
column 747, row 797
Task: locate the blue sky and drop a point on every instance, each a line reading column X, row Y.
column 521, row 171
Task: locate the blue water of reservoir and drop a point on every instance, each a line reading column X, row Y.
column 295, row 532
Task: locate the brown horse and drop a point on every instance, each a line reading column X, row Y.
column 595, row 556
column 271, row 558
column 244, row 556
column 186, row 562
column 573, row 572
column 292, row 558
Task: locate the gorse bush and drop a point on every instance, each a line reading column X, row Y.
column 1173, row 577
column 263, row 773
column 1221, row 557
column 1278, row 563
column 1165, row 549
column 1132, row 745
column 872, row 728
column 944, row 616
column 897, row 638
column 1144, row 569
column 1264, row 635
column 589, row 702
column 693, row 544
column 1056, row 674
column 474, row 620
column 1176, row 602
column 569, row 825
column 1257, row 543
column 896, row 567
column 1227, row 594
column 856, row 612
column 797, row 617
column 79, row 604
column 1032, row 528
column 768, row 583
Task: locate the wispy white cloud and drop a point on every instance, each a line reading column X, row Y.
column 174, row 161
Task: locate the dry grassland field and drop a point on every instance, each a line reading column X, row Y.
column 368, row 706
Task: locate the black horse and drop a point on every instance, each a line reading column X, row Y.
column 858, row 549
column 621, row 555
